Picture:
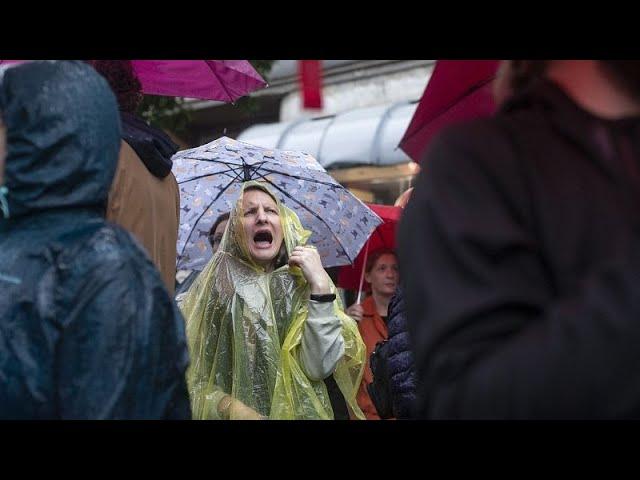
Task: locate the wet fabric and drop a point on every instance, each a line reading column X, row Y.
column 152, row 145
column 245, row 329
column 519, row 257
column 87, row 330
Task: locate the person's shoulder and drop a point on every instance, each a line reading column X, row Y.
column 484, row 133
column 468, row 136
column 104, row 247
column 369, row 306
column 127, row 153
column 485, row 146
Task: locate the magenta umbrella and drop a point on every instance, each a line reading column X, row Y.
column 457, row 90
column 222, row 80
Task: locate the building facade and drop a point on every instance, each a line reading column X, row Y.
column 367, row 106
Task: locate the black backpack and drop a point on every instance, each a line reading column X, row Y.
column 379, row 390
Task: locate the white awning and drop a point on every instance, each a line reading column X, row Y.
column 363, row 136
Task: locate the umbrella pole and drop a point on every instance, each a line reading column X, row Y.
column 364, row 266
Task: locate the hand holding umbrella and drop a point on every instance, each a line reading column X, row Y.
column 355, row 311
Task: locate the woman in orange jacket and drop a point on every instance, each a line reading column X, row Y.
column 381, row 272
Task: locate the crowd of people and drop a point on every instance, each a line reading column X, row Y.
column 512, row 293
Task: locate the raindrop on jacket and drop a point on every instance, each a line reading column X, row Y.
column 87, row 329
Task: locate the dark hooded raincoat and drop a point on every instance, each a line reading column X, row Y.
column 87, row 329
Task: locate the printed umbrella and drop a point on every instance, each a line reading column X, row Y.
column 210, row 177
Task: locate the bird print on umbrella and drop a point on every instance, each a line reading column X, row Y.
column 210, row 176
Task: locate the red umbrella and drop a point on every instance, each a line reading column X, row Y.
column 351, row 277
column 457, row 90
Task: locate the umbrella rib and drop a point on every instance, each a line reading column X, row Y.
column 210, row 160
column 297, row 177
column 223, row 172
column 259, row 165
column 202, row 214
column 238, row 177
column 231, row 99
column 312, row 213
column 235, row 168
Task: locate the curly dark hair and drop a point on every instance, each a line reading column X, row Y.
column 123, row 81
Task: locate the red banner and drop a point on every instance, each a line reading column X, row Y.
column 311, row 83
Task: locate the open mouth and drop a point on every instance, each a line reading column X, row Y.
column 263, row 239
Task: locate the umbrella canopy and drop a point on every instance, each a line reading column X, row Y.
column 349, row 277
column 457, row 90
column 210, row 177
column 222, row 80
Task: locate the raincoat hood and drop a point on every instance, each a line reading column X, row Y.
column 52, row 111
column 245, row 326
column 237, row 244
column 87, row 329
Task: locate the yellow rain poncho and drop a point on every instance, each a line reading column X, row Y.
column 245, row 330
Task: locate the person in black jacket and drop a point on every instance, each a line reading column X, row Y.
column 401, row 364
column 393, row 390
column 520, row 251
column 87, row 329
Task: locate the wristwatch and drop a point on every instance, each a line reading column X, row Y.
column 325, row 298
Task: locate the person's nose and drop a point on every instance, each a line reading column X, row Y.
column 261, row 216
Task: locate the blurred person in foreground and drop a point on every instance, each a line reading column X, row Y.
column 87, row 329
column 519, row 250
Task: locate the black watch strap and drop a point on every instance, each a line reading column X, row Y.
column 329, row 297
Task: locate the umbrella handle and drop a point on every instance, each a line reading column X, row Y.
column 364, row 266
